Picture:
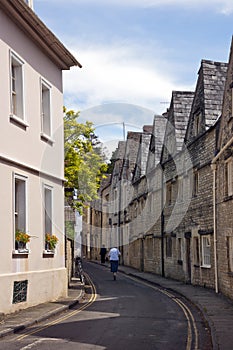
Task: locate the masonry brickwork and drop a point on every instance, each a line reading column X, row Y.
column 172, row 188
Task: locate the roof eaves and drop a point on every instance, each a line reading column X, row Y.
column 30, row 23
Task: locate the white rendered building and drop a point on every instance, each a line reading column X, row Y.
column 31, row 158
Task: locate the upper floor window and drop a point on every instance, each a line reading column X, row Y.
column 17, row 94
column 180, row 195
column 229, row 177
column 195, row 184
column 115, row 202
column 168, row 193
column 45, row 109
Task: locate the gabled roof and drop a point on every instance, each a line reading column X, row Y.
column 118, row 161
column 130, row 156
column 156, row 142
column 26, row 19
column 225, row 134
column 141, row 161
column 208, row 97
column 177, row 116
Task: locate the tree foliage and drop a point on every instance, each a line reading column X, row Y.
column 112, row 162
column 85, row 164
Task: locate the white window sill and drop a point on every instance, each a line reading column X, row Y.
column 206, row 266
column 19, row 121
column 46, row 138
column 48, row 252
column 20, row 251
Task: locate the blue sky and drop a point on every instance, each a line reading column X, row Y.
column 134, row 53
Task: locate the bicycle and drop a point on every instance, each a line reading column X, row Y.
column 79, row 270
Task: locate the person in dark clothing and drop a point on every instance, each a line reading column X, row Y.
column 103, row 252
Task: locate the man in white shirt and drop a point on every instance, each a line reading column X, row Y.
column 114, row 254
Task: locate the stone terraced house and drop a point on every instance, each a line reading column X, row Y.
column 176, row 216
column 188, row 206
column 222, row 165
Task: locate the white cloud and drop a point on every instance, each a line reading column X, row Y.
column 119, row 74
column 221, row 6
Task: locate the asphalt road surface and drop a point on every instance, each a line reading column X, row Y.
column 122, row 314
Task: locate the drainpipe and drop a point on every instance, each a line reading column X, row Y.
column 162, row 224
column 119, row 217
column 213, row 167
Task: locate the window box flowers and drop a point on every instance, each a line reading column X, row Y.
column 50, row 242
column 21, row 239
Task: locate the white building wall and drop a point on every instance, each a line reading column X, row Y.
column 22, row 151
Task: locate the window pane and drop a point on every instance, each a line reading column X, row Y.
column 20, row 205
column 17, row 87
column 48, row 210
column 46, row 118
column 206, row 251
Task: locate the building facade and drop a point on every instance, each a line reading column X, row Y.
column 31, row 158
column 222, row 191
column 175, row 219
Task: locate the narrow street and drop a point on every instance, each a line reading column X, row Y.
column 122, row 314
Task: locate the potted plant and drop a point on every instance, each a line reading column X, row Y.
column 50, row 241
column 21, row 239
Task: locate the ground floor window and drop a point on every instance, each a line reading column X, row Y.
column 206, row 251
column 180, row 250
column 149, row 248
column 168, row 247
column 21, row 236
column 230, row 253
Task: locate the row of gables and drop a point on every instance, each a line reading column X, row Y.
column 168, row 203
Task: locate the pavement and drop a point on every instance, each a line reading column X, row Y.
column 217, row 309
column 12, row 323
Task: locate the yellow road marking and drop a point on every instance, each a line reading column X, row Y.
column 187, row 312
column 65, row 317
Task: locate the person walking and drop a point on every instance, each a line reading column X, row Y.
column 103, row 252
column 114, row 254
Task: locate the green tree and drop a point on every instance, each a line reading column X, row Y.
column 85, row 164
column 112, row 162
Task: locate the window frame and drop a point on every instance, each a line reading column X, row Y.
column 206, row 251
column 168, row 193
column 230, row 253
column 228, row 176
column 115, row 201
column 180, row 189
column 45, row 215
column 17, row 108
column 180, row 252
column 195, row 183
column 168, row 247
column 24, row 180
column 46, row 109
